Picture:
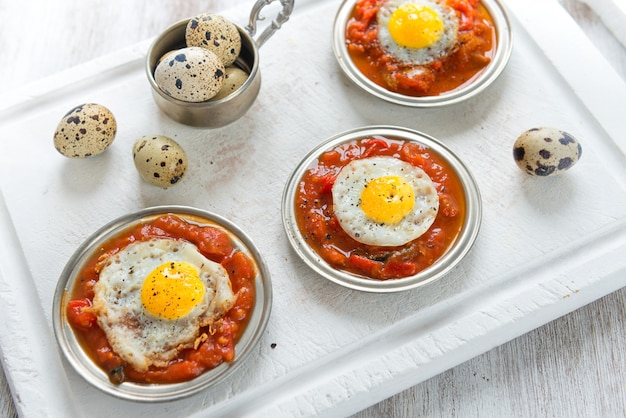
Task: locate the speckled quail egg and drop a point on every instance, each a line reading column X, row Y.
column 546, row 151
column 167, row 54
column 234, row 78
column 215, row 33
column 85, row 131
column 191, row 74
column 160, row 160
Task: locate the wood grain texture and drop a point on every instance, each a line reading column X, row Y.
column 573, row 366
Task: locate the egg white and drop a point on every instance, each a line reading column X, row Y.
column 348, row 189
column 419, row 56
column 137, row 336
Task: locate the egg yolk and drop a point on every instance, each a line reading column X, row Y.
column 415, row 26
column 387, row 199
column 172, row 290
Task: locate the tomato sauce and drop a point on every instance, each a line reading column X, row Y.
column 474, row 50
column 321, row 230
column 219, row 347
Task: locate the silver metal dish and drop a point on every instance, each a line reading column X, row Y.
column 494, row 69
column 217, row 113
column 458, row 250
column 92, row 373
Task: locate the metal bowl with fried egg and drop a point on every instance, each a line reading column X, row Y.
column 419, row 42
column 352, row 193
column 135, row 280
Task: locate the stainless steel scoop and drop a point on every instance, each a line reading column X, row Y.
column 218, row 113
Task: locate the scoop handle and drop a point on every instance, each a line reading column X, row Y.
column 255, row 17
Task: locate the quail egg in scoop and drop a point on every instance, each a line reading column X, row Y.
column 235, row 78
column 191, row 74
column 215, row 33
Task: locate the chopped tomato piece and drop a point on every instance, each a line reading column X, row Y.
column 214, row 242
column 332, row 255
column 79, row 314
column 240, row 269
column 366, row 265
column 395, row 270
column 448, row 204
column 373, row 146
column 328, row 181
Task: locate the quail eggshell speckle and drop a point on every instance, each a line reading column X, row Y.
column 85, row 131
column 235, row 77
column 546, row 151
column 215, row 33
column 160, row 160
column 192, row 74
column 167, row 54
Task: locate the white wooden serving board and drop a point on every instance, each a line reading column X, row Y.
column 547, row 245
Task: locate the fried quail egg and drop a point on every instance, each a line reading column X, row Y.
column 153, row 296
column 384, row 201
column 417, row 31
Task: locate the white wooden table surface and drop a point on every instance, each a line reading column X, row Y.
column 573, row 366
